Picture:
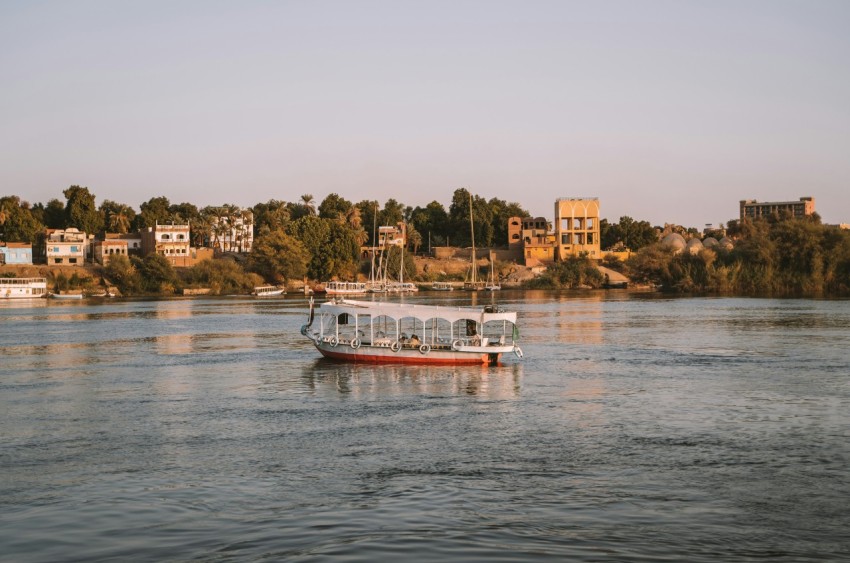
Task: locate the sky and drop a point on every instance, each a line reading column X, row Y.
column 669, row 111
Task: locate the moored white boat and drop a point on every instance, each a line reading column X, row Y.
column 382, row 332
column 72, row 296
column 345, row 288
column 23, row 288
column 268, row 291
column 442, row 286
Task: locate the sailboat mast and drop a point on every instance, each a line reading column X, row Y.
column 472, row 236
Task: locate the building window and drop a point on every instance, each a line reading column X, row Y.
column 566, row 224
column 589, row 224
column 72, row 260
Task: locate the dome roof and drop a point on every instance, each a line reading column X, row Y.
column 726, row 242
column 710, row 242
column 675, row 240
column 694, row 245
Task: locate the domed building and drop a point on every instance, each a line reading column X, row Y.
column 694, row 246
column 710, row 242
column 675, row 240
column 726, row 243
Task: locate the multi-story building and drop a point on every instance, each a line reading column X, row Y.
column 577, row 227
column 15, row 253
column 172, row 241
column 65, row 247
column 391, row 236
column 753, row 209
column 103, row 250
column 532, row 237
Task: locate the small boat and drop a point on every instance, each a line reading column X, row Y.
column 345, row 288
column 492, row 284
column 384, row 332
column 442, row 286
column 268, row 291
column 401, row 287
column 60, row 295
column 23, row 288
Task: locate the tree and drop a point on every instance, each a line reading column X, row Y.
column 500, row 212
column 368, row 218
column 54, row 214
column 273, row 215
column 278, row 256
column 122, row 274
column 459, row 213
column 118, row 217
column 156, row 273
column 17, row 222
column 80, row 210
column 155, row 210
column 431, row 220
column 392, row 213
column 332, row 246
column 334, row 206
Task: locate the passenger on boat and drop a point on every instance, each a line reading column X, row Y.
column 414, row 341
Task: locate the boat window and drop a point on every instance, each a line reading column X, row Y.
column 342, row 319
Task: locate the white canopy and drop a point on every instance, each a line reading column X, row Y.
column 419, row 312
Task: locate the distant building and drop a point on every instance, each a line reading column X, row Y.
column 576, row 232
column 172, row 241
column 577, row 227
column 391, row 236
column 15, row 253
column 65, row 247
column 103, row 250
column 753, row 209
column 133, row 240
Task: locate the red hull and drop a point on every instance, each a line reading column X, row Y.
column 365, row 358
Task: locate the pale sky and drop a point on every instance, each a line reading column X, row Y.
column 668, row 111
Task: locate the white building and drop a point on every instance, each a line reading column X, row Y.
column 68, row 247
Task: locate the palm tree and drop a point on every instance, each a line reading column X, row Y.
column 309, row 203
column 119, row 223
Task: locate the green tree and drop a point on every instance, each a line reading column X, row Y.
column 81, row 211
column 273, row 215
column 500, row 212
column 156, row 273
column 122, row 274
column 572, row 273
column 155, row 210
column 118, row 217
column 54, row 214
column 222, row 277
column 17, row 222
column 332, row 246
column 369, row 219
column 277, row 256
column 334, row 206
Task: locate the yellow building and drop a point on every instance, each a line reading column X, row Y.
column 577, row 228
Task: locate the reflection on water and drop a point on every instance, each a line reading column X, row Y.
column 637, row 428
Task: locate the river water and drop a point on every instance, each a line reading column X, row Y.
column 636, row 428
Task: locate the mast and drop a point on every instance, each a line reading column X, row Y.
column 374, row 243
column 472, row 233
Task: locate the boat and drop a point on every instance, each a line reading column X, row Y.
column 73, row 296
column 268, row 291
column 473, row 283
column 442, row 286
column 492, row 284
column 401, row 287
column 389, row 332
column 344, row 288
column 23, row 288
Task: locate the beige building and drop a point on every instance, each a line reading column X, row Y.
column 65, row 247
column 172, row 241
column 754, row 210
column 577, row 228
